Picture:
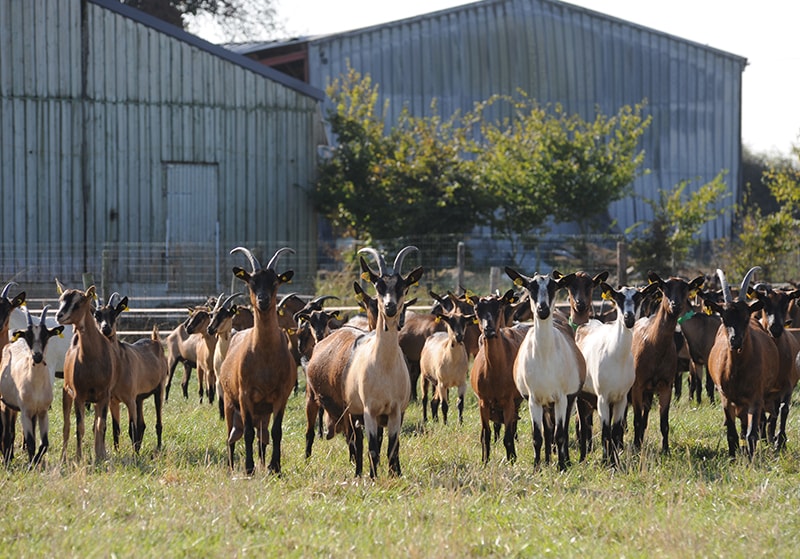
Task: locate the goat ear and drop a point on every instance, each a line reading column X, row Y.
column 57, row 331
column 286, row 276
column 516, row 277
column 413, row 277
column 18, row 301
column 557, row 275
column 241, row 273
column 17, row 335
column 606, row 294
column 59, row 287
column 601, row 277
column 123, row 305
column 697, row 283
column 755, row 306
column 653, row 277
column 794, row 294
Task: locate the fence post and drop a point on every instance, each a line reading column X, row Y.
column 494, row 279
column 460, row 263
column 622, row 263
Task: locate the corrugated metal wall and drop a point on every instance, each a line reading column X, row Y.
column 559, row 53
column 95, row 155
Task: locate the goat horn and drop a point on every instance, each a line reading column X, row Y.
column 398, row 261
column 250, row 256
column 378, row 258
column 282, row 302
column 44, row 315
column 4, row 294
column 30, row 319
column 317, row 302
column 726, row 289
column 114, row 299
column 218, row 305
column 275, row 257
column 226, row 304
column 746, row 281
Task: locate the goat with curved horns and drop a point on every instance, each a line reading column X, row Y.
column 742, row 358
column 364, row 374
column 259, row 372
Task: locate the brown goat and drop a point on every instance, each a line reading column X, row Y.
column 142, row 373
column 492, row 374
column 90, row 369
column 655, row 357
column 778, row 393
column 259, row 372
column 741, row 361
column 182, row 348
column 204, row 346
column 700, row 331
column 221, row 326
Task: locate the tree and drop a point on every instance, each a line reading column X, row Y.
column 230, row 20
column 546, row 163
column 767, row 239
column 667, row 239
column 410, row 182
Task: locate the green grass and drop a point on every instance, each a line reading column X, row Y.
column 184, row 502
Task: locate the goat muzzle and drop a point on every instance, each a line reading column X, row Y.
column 38, row 357
column 629, row 318
column 391, row 309
column 542, row 311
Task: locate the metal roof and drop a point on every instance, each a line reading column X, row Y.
column 222, row 52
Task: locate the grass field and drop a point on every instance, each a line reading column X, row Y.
column 184, row 501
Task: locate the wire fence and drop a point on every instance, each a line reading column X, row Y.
column 156, row 275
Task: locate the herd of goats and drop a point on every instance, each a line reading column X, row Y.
column 361, row 374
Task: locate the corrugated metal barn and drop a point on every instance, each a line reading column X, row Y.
column 557, row 53
column 141, row 154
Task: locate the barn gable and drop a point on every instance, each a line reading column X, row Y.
column 124, row 130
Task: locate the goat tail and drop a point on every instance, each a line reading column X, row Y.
column 154, row 336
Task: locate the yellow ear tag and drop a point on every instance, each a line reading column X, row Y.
column 476, row 321
column 359, row 297
column 280, row 312
column 693, row 294
column 61, row 334
column 438, row 319
column 606, row 296
column 751, row 295
column 518, row 281
column 365, row 276
column 708, row 311
column 16, row 336
column 290, row 331
column 125, row 308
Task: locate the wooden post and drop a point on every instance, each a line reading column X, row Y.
column 494, row 279
column 460, row 263
column 622, row 262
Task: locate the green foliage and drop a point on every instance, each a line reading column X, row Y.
column 411, row 182
column 428, row 175
column 767, row 240
column 546, row 162
column 665, row 242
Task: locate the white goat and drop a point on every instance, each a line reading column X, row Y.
column 549, row 368
column 609, row 363
column 26, row 385
column 56, row 347
column 444, row 362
